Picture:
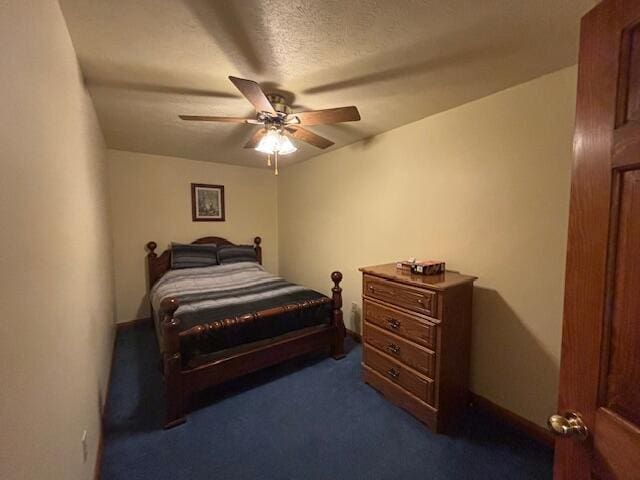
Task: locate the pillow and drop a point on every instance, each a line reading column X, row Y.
column 236, row 253
column 193, row 256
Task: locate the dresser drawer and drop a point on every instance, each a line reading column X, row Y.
column 418, row 385
column 416, row 299
column 414, row 329
column 418, row 358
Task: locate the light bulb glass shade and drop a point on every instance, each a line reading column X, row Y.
column 274, row 142
column 286, row 146
column 269, row 143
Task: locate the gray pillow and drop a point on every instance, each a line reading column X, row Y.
column 236, row 253
column 193, row 256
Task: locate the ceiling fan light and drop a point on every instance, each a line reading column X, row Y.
column 269, row 143
column 286, row 146
column 275, row 141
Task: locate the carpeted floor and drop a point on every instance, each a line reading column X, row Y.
column 307, row 419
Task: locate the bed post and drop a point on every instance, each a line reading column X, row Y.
column 151, row 266
column 337, row 347
column 172, row 363
column 256, row 245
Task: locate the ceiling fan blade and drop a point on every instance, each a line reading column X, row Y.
column 305, row 135
column 252, row 91
column 330, row 115
column 207, row 118
column 255, row 138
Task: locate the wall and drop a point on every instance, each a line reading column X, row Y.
column 56, row 331
column 484, row 186
column 151, row 200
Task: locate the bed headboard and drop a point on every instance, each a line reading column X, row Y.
column 160, row 264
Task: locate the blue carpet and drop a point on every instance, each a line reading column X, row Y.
column 311, row 418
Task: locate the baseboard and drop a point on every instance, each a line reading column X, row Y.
column 531, row 429
column 355, row 335
column 98, row 464
column 133, row 323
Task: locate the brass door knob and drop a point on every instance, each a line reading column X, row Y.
column 568, row 425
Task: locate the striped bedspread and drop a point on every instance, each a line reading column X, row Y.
column 213, row 293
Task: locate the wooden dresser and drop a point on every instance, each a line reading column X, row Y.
column 416, row 339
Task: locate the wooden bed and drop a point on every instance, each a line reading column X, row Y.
column 183, row 381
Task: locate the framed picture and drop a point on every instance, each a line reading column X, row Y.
column 207, row 202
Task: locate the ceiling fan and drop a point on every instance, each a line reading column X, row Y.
column 279, row 121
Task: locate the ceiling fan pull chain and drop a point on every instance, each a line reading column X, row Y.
column 276, row 155
column 268, row 160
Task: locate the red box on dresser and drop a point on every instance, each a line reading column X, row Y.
column 416, row 340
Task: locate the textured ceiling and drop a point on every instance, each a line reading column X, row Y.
column 146, row 61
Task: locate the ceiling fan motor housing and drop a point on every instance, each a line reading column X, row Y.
column 279, row 103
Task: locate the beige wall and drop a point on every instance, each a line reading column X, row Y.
column 485, row 187
column 151, row 200
column 56, row 299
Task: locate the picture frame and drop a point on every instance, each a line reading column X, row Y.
column 207, row 202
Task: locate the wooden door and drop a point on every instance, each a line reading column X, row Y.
column 600, row 365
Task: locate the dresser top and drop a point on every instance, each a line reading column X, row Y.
column 441, row 281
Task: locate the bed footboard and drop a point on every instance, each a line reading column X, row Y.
column 181, row 383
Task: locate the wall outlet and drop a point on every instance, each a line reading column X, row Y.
column 85, row 452
column 354, row 307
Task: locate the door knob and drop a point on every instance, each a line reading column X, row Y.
column 568, row 425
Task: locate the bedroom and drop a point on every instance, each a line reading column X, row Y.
column 466, row 149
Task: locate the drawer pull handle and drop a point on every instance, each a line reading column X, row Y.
column 393, row 348
column 393, row 323
column 393, row 373
column 380, row 291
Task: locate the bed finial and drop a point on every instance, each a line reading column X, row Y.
column 336, row 290
column 169, row 305
column 151, row 246
column 256, row 246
